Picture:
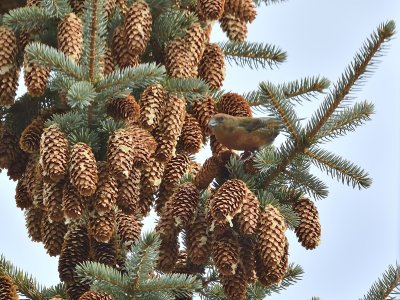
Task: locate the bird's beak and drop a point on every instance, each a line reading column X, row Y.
column 212, row 122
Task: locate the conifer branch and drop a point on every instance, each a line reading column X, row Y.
column 291, row 218
column 81, row 94
column 387, row 287
column 267, row 2
column 342, row 169
column 57, row 8
column 178, row 284
column 190, row 88
column 253, row 55
column 27, row 18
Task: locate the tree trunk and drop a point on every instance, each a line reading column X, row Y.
column 6, row 5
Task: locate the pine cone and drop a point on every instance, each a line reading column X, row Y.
column 108, row 63
column 228, row 200
column 30, row 137
column 152, row 106
column 174, row 170
column 78, row 6
column 76, row 289
column 235, row 286
column 36, row 78
column 9, row 149
column 72, row 202
column 83, row 169
column 197, row 241
column 138, row 24
column 8, row 290
column 52, row 200
column 8, row 52
column 144, row 146
column 120, row 154
column 212, row 66
column 17, row 167
column 124, row 109
column 271, row 236
column 122, row 53
column 249, row 215
column 166, row 226
column 128, row 228
column 276, row 273
column 23, row 199
column 54, row 153
column 247, row 259
column 209, row 170
column 203, row 110
column 163, row 196
column 168, row 254
column 174, row 117
column 177, row 61
column 183, row 204
column 309, row 229
column 75, row 250
column 235, row 28
column 70, row 36
column 128, row 193
column 107, row 190
column 90, row 295
column 195, row 40
column 33, row 221
column 102, row 228
column 104, row 253
column 192, row 135
column 8, row 87
column 53, row 235
column 225, row 253
column 145, row 204
column 243, row 9
column 151, row 176
column 235, row 105
column 216, row 147
column 212, row 9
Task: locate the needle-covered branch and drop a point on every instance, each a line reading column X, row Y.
column 27, row 18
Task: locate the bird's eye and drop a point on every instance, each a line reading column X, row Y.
column 219, row 119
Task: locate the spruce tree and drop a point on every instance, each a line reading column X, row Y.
column 119, row 96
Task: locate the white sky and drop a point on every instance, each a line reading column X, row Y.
column 360, row 229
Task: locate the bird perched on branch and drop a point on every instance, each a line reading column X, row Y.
column 244, row 133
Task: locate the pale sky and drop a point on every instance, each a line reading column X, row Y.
column 360, row 229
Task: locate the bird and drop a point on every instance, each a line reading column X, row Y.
column 244, row 133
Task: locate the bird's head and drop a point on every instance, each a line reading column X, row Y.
column 217, row 120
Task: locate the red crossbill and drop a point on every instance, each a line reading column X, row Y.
column 244, row 133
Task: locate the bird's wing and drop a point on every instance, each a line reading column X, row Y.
column 253, row 124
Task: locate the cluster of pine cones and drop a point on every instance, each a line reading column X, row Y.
column 83, row 209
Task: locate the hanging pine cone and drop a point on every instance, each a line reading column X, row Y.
column 247, row 259
column 107, row 190
column 249, row 215
column 183, row 204
column 152, row 106
column 210, row 169
column 78, row 6
column 36, row 78
column 174, row 170
column 9, row 149
column 124, row 109
column 121, row 52
column 23, row 199
column 212, row 9
column 128, row 193
column 8, row 87
column 228, row 200
column 191, row 138
column 17, row 167
column 104, row 253
column 33, row 221
column 108, row 63
column 83, row 169
column 271, row 236
column 72, row 202
column 102, row 228
column 243, row 9
column 8, row 52
column 235, row 105
column 203, row 110
column 276, row 273
column 144, row 146
column 120, row 153
column 75, row 250
column 195, row 41
column 8, row 290
column 70, row 36
column 52, row 200
column 197, row 241
column 30, row 137
column 76, row 289
column 128, row 228
column 54, row 153
column 225, row 253
column 138, row 23
column 90, row 295
column 235, row 286
column 309, row 229
column 216, row 147
column 212, row 66
column 177, row 61
column 145, row 204
column 151, row 176
column 168, row 254
column 235, row 28
column 53, row 235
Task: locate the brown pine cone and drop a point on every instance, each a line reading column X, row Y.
column 197, row 241
column 166, row 226
column 52, row 200
column 124, row 109
column 225, row 253
column 8, row 87
column 183, row 204
column 210, row 169
column 275, row 274
column 78, row 6
column 192, row 136
column 228, row 200
column 9, row 148
column 53, row 235
column 309, row 229
column 108, row 62
column 23, row 199
column 83, row 169
column 195, row 40
column 168, row 254
column 144, row 146
column 104, row 253
column 8, row 290
column 107, row 190
column 17, row 167
column 249, row 215
column 30, row 137
column 203, row 110
column 243, row 9
column 151, row 176
column 70, row 36
column 8, row 52
column 235, row 286
column 145, row 204
column 163, row 196
column 174, row 170
column 72, row 202
column 121, row 52
column 216, row 147
column 75, row 250
column 211, row 9
column 235, row 105
column 128, row 193
column 36, row 78
column 102, row 227
column 120, row 154
column 54, row 153
column 90, row 295
column 177, row 61
column 235, row 28
column 271, row 236
column 247, row 259
column 33, row 221
column 128, row 228
column 76, row 289
column 174, row 117
column 212, row 66
column 152, row 106
column 138, row 23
